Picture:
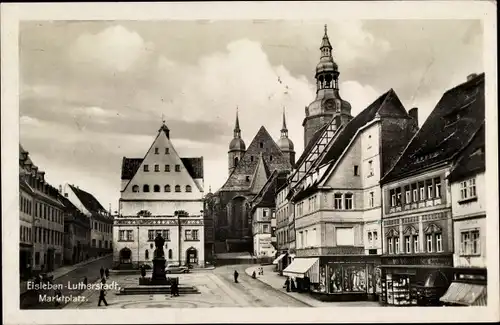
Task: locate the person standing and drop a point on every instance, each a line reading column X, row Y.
column 236, row 276
column 85, row 281
column 102, row 294
column 106, row 272
column 102, row 272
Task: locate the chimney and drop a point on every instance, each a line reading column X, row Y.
column 471, row 76
column 414, row 114
column 60, row 188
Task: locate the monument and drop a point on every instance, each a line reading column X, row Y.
column 159, row 262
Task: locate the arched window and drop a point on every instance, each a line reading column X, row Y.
column 135, row 188
column 146, row 253
column 188, row 188
column 145, row 188
column 156, row 188
column 235, row 161
column 167, row 188
column 169, row 254
column 177, row 188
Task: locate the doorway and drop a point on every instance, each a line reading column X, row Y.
column 191, row 256
column 125, row 256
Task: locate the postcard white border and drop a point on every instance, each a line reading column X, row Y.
column 13, row 13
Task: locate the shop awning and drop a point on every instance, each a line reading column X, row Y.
column 278, row 259
column 465, row 294
column 301, row 267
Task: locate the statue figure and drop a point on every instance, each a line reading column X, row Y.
column 159, row 242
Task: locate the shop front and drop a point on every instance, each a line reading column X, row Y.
column 469, row 288
column 303, row 272
column 420, row 283
column 281, row 262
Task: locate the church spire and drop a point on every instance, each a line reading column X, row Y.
column 237, row 131
column 284, row 130
column 326, row 47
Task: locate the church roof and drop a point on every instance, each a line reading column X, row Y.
column 242, row 176
column 260, row 175
column 194, row 166
column 456, row 117
column 472, row 159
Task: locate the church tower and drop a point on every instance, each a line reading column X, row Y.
column 285, row 144
column 236, row 147
column 328, row 103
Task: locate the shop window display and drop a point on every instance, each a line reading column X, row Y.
column 348, row 278
column 399, row 290
column 322, row 279
column 335, row 273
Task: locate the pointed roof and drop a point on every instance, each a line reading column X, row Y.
column 456, row 117
column 472, row 159
column 194, row 166
column 260, row 175
column 283, row 127
column 88, row 200
column 326, row 41
column 237, row 123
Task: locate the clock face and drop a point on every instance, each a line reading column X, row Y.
column 329, row 105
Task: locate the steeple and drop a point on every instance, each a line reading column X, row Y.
column 284, row 130
column 326, row 47
column 165, row 129
column 237, row 131
column 285, row 144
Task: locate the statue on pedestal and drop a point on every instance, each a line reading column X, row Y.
column 159, row 261
column 159, row 242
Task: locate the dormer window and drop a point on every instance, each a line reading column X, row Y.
column 157, row 151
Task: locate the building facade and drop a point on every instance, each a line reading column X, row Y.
column 161, row 193
column 100, row 220
column 249, row 170
column 76, row 233
column 468, row 190
column 338, row 200
column 417, row 201
column 209, row 227
column 47, row 230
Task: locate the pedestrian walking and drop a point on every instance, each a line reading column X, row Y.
column 236, row 276
column 176, row 288
column 253, row 274
column 107, row 273
column 172, row 289
column 102, row 272
column 85, row 281
column 102, row 294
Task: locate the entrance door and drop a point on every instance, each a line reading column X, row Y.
column 192, row 256
column 125, row 256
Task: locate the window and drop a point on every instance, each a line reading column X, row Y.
column 414, row 191
column 167, row 168
column 169, row 254
column 95, row 225
column 270, row 158
column 261, row 145
column 157, row 168
column 266, row 229
column 93, row 242
column 167, row 151
column 430, row 194
column 188, row 188
column 145, row 188
column 437, row 185
column 468, row 189
column 247, row 178
column 396, row 245
column 146, row 168
column 439, row 243
column 428, row 240
column 130, row 235
column 421, row 190
column 375, row 237
column 348, row 201
column 37, row 258
column 407, row 244
column 370, row 239
column 156, row 188
column 415, row 244
column 398, row 196
column 251, row 158
column 157, row 151
column 370, row 168
column 151, row 235
column 235, row 161
column 187, row 234
column 146, row 254
column 372, row 199
column 392, row 193
column 167, row 188
column 194, row 233
column 390, row 245
column 407, row 194
column 344, row 236
column 356, row 171
column 121, row 234
column 470, row 242
column 166, row 234
column 177, row 168
column 177, row 188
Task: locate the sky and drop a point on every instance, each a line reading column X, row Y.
column 93, row 92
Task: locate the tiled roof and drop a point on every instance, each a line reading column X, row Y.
column 266, row 197
column 194, row 166
column 472, row 159
column 88, row 201
column 448, row 128
column 71, row 208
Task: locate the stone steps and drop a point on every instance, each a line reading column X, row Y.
column 155, row 290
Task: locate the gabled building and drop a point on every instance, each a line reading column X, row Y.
column 263, row 212
column 41, row 220
column 161, row 193
column 337, row 199
column 468, row 198
column 417, row 230
column 100, row 220
column 249, row 170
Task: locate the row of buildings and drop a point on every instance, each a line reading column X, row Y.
column 57, row 226
column 375, row 207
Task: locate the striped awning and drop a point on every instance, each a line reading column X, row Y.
column 465, row 294
column 301, row 267
column 278, row 259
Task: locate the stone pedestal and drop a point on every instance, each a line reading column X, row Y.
column 158, row 276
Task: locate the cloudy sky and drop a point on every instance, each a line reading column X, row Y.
column 92, row 92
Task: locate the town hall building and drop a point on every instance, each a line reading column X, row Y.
column 161, row 193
